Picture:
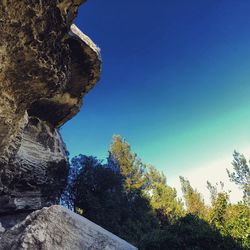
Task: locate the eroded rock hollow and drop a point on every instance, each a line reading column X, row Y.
column 46, row 67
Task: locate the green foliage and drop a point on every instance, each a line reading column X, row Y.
column 241, row 175
column 231, row 220
column 133, row 201
column 237, row 225
column 163, row 198
column 111, row 197
column 193, row 199
column 130, row 166
column 95, row 191
column 155, row 177
column 218, row 211
column 190, row 232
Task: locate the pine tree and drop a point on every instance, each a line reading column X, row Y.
column 193, row 199
column 130, row 166
column 218, row 211
column 241, row 175
column 163, row 198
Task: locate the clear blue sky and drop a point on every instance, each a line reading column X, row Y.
column 175, row 80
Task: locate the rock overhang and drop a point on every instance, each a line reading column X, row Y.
column 85, row 72
column 47, row 66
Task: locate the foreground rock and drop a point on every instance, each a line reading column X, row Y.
column 56, row 228
column 47, row 66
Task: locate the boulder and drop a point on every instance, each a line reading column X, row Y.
column 57, row 228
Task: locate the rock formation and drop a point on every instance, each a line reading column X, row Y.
column 57, row 228
column 47, row 66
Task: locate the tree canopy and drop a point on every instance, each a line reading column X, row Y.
column 134, row 201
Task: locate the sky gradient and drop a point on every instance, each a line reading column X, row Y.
column 175, row 82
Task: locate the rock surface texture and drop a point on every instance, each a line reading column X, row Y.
column 57, row 228
column 47, row 65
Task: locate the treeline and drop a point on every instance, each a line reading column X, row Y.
column 133, row 201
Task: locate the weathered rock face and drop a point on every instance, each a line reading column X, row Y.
column 46, row 67
column 57, row 228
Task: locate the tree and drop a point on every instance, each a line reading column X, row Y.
column 241, row 175
column 163, row 198
column 140, row 218
column 189, row 232
column 133, row 201
column 130, row 166
column 218, row 211
column 232, row 220
column 213, row 191
column 193, row 199
column 95, row 191
column 155, row 177
column 237, row 223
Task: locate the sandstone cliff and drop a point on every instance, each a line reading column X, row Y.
column 47, row 66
